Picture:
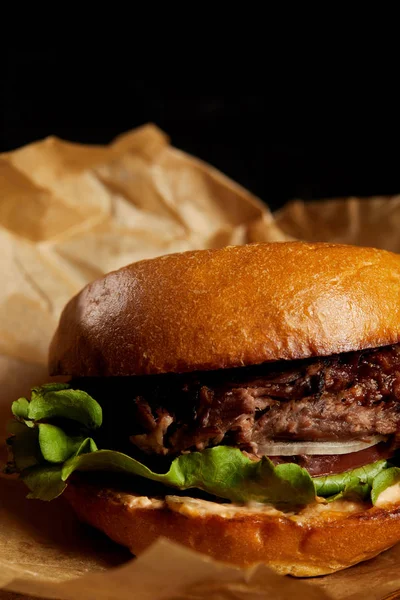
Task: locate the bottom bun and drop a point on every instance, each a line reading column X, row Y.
column 320, row 539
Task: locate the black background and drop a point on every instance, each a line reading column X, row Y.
column 300, row 139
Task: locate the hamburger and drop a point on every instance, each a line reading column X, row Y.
column 242, row 401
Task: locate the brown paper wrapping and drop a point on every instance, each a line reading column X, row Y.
column 69, row 213
column 371, row 221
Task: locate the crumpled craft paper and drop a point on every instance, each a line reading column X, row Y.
column 69, row 213
column 371, row 221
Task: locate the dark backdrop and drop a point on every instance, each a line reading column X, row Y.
column 279, row 141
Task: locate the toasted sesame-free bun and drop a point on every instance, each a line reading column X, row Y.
column 321, row 540
column 230, row 307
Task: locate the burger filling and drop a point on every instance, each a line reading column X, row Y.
column 349, row 397
column 280, row 433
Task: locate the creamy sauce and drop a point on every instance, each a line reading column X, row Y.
column 330, row 510
column 133, row 501
column 389, row 496
column 194, row 507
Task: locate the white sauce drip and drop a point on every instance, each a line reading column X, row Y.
column 389, row 496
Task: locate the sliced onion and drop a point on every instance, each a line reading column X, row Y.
column 320, row 448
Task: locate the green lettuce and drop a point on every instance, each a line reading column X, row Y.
column 44, row 482
column 56, row 446
column 222, row 471
column 25, row 447
column 56, row 400
column 357, row 482
column 53, row 437
column 384, row 480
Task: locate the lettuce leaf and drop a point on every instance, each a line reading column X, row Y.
column 20, row 408
column 25, row 448
column 384, row 480
column 56, row 400
column 357, row 479
column 222, row 471
column 44, row 482
column 354, row 490
column 56, row 446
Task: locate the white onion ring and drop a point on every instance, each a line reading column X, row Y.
column 320, row 448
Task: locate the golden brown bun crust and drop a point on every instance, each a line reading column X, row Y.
column 235, row 306
column 315, row 546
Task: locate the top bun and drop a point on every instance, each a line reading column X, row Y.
column 230, row 307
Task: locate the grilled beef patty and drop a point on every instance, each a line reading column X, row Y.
column 341, row 397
